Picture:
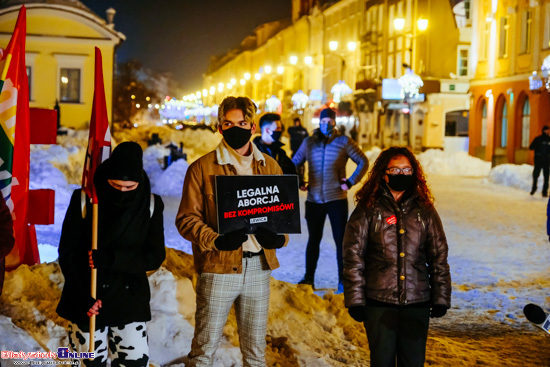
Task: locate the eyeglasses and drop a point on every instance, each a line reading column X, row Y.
column 397, row 171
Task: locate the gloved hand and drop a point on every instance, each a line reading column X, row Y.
column 438, row 311
column 357, row 313
column 93, row 306
column 99, row 259
column 269, row 239
column 231, row 241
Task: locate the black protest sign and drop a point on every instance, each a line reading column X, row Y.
column 268, row 201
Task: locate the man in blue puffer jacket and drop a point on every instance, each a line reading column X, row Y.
column 327, row 152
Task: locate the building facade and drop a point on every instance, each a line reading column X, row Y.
column 512, row 39
column 362, row 43
column 432, row 39
column 61, row 36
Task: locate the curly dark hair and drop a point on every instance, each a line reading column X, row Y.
column 367, row 194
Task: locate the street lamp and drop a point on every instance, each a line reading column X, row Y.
column 280, row 69
column 267, row 69
column 308, row 60
column 422, row 24
column 399, row 24
column 333, row 45
column 246, row 76
column 352, row 46
column 538, row 81
column 293, row 59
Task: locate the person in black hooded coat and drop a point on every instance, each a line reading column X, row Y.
column 130, row 243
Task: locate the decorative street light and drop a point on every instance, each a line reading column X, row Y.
column 410, row 84
column 272, row 104
column 299, row 100
column 540, row 81
column 340, row 90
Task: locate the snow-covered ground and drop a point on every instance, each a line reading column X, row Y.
column 498, row 247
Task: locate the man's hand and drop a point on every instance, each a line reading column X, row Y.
column 94, row 305
column 269, row 239
column 231, row 241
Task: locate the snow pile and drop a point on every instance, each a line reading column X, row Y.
column 195, row 142
column 513, row 175
column 438, row 162
column 170, row 181
column 153, row 162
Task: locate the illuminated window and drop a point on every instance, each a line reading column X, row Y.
column 525, row 123
column 546, row 41
column 462, row 64
column 485, row 41
column 503, row 40
column 504, row 127
column 69, row 85
column 526, row 20
column 29, row 78
column 484, row 124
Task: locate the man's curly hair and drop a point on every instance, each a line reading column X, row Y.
column 245, row 104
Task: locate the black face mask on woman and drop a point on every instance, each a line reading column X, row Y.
column 237, row 137
column 400, row 182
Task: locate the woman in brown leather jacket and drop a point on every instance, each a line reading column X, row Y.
column 396, row 273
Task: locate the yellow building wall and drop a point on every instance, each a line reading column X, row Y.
column 57, row 38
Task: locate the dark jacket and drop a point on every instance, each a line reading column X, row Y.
column 297, row 136
column 383, row 265
column 6, row 236
column 275, row 151
column 122, row 284
column 541, row 146
column 326, row 159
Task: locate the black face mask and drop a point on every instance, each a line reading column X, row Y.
column 237, row 137
column 119, row 198
column 400, row 182
column 276, row 135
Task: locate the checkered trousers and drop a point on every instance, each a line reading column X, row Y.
column 249, row 291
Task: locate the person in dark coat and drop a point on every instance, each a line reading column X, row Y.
column 297, row 135
column 7, row 241
column 326, row 153
column 130, row 243
column 268, row 142
column 396, row 273
column 541, row 146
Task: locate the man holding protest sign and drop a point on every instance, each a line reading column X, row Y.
column 234, row 267
column 326, row 152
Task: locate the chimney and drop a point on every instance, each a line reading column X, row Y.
column 110, row 17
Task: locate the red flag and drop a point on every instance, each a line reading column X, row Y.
column 15, row 136
column 99, row 142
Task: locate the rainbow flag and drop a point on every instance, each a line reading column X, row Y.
column 15, row 141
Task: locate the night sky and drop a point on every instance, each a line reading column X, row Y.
column 179, row 36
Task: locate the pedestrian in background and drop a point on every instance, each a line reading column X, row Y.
column 7, row 241
column 130, row 243
column 234, row 268
column 541, row 146
column 327, row 152
column 269, row 142
column 297, row 135
column 396, row 273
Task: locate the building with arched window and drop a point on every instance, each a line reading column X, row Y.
column 61, row 35
column 511, row 39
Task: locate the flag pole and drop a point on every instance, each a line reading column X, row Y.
column 93, row 285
